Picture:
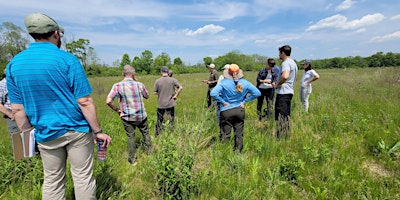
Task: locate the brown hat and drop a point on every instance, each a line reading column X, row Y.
column 233, row 69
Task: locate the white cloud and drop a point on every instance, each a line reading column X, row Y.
column 346, row 4
column 260, row 41
column 396, row 17
column 340, row 22
column 391, row 36
column 287, row 39
column 364, row 21
column 207, row 29
column 361, row 30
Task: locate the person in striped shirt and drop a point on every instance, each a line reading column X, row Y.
column 131, row 109
column 49, row 90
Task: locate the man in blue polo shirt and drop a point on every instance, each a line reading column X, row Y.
column 49, row 90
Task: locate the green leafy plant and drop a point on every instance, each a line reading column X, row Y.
column 174, row 170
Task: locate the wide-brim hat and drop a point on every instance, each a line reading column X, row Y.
column 233, row 68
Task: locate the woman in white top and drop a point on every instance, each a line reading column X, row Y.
column 309, row 76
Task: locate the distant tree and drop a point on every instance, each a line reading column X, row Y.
column 147, row 61
column 178, row 61
column 125, row 60
column 376, row 60
column 80, row 49
column 116, row 63
column 13, row 39
column 162, row 60
column 137, row 64
column 207, row 61
column 92, row 58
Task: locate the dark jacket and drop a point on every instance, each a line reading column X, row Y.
column 262, row 75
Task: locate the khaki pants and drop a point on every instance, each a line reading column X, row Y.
column 79, row 148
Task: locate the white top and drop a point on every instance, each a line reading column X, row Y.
column 307, row 77
column 287, row 87
column 266, row 85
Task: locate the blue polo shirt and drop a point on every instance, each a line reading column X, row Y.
column 48, row 81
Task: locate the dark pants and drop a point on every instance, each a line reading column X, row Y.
column 268, row 95
column 130, row 127
column 233, row 118
column 282, row 115
column 211, row 103
column 160, row 118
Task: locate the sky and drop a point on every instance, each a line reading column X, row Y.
column 194, row 29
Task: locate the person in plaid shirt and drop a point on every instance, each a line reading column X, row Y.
column 131, row 109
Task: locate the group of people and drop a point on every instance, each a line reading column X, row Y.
column 53, row 96
column 233, row 91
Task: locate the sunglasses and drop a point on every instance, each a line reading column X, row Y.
column 271, row 63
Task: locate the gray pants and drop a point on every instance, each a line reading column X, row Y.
column 12, row 127
column 304, row 95
column 143, row 127
column 78, row 147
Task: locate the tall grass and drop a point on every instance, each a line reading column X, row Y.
column 346, row 147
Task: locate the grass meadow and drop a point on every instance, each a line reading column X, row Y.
column 346, row 147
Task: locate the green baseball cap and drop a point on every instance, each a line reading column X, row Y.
column 41, row 23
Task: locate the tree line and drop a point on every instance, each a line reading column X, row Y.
column 13, row 39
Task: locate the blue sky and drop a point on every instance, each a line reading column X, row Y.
column 194, row 29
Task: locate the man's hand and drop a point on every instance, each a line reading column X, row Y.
column 104, row 137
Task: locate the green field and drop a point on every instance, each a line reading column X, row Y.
column 346, row 147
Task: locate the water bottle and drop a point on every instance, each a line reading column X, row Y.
column 101, row 151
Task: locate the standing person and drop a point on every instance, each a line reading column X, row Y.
column 309, row 76
column 170, row 73
column 165, row 87
column 266, row 79
column 211, row 82
column 131, row 109
column 233, row 92
column 220, row 78
column 285, row 90
column 49, row 90
column 5, row 108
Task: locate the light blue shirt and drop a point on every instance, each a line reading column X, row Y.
column 48, row 81
column 225, row 92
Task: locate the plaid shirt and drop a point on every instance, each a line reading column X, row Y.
column 130, row 95
column 4, row 94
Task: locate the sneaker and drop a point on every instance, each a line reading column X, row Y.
column 133, row 163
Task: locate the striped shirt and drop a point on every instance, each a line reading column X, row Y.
column 48, row 81
column 130, row 95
